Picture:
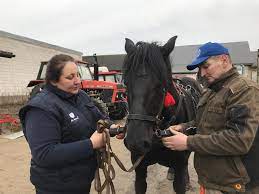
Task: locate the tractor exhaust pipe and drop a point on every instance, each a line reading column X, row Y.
column 95, row 67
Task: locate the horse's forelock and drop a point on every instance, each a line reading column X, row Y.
column 147, row 54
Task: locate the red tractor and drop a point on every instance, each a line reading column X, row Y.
column 105, row 88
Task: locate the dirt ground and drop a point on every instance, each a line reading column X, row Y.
column 15, row 162
column 14, row 171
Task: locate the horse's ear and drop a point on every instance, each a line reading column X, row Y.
column 169, row 46
column 129, row 45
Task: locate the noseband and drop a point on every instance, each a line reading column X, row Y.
column 149, row 118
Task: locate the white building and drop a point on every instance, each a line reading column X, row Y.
column 16, row 72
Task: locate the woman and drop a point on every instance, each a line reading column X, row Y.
column 59, row 124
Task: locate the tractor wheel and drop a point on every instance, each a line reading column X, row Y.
column 120, row 112
column 36, row 90
column 100, row 105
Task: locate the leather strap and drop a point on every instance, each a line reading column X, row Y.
column 104, row 156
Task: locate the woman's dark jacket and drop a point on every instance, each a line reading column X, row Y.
column 57, row 126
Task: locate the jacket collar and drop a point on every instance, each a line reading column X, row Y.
column 61, row 93
column 222, row 80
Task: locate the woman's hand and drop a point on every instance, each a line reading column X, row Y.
column 114, row 126
column 98, row 140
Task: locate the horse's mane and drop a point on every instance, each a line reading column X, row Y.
column 148, row 55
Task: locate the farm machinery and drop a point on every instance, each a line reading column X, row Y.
column 105, row 88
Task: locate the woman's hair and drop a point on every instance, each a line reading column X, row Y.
column 55, row 67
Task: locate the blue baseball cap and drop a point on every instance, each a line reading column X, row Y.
column 206, row 51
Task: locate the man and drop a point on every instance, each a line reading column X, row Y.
column 227, row 120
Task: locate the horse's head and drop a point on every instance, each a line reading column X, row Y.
column 147, row 75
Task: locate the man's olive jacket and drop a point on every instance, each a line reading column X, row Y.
column 226, row 145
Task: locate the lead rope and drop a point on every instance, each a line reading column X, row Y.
column 104, row 156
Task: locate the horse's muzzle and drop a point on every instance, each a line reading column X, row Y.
column 141, row 147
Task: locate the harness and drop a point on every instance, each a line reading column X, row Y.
column 184, row 91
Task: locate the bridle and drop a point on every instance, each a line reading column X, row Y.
column 154, row 119
column 157, row 119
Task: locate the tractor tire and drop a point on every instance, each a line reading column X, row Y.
column 120, row 112
column 100, row 105
column 37, row 89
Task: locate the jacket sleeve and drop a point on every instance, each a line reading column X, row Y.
column 242, row 117
column 42, row 132
column 191, row 123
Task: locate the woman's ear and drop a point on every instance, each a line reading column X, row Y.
column 53, row 83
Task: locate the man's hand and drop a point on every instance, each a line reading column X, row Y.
column 176, row 142
column 176, row 128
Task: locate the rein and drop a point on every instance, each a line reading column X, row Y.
column 104, row 156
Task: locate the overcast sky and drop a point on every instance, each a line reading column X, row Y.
column 100, row 26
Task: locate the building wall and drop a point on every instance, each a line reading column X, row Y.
column 15, row 73
column 257, row 66
column 180, row 75
column 248, row 71
column 251, row 73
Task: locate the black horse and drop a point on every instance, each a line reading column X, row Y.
column 148, row 77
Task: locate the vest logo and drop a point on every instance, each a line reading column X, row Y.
column 73, row 117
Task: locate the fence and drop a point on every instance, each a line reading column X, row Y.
column 20, row 96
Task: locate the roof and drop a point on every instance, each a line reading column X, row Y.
column 38, row 43
column 108, row 73
column 182, row 56
column 113, row 62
